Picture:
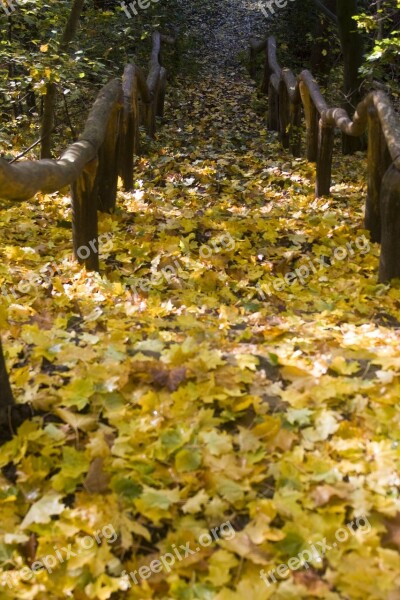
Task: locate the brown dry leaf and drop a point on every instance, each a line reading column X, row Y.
column 30, row 548
column 392, row 537
column 284, row 440
column 242, row 545
column 77, row 420
column 310, row 580
column 323, row 493
column 45, row 320
column 96, row 480
column 169, row 378
column 156, row 372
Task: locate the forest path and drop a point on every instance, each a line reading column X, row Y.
column 232, row 362
column 222, row 31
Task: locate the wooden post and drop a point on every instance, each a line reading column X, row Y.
column 273, row 108
column 313, row 134
column 150, row 117
column 284, row 115
column 161, row 93
column 84, row 192
column 295, row 137
column 312, row 118
column 128, row 144
column 389, row 265
column 324, row 161
column 125, row 141
column 109, row 162
column 129, row 130
column 378, row 163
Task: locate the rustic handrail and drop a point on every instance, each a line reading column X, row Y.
column 289, row 96
column 91, row 165
column 104, row 150
column 21, row 181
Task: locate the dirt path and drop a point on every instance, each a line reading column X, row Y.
column 233, row 364
column 222, row 32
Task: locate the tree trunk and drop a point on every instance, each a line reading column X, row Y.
column 6, row 396
column 321, row 53
column 11, row 415
column 48, row 120
column 50, row 98
column 352, row 49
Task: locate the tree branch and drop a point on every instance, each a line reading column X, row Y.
column 326, row 11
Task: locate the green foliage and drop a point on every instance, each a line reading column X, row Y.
column 307, row 39
column 30, row 58
column 381, row 24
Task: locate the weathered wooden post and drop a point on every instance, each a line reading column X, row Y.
column 324, row 160
column 295, row 117
column 389, row 265
column 97, row 178
column 129, row 131
column 378, row 163
column 148, row 117
column 272, row 76
column 266, row 74
column 84, row 192
column 109, row 162
column 284, row 114
column 161, row 93
column 273, row 108
column 290, row 118
column 312, row 118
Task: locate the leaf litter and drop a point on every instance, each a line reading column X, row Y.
column 171, row 404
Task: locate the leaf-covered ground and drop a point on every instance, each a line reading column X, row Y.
column 185, row 387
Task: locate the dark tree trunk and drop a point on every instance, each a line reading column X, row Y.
column 6, row 396
column 352, row 49
column 48, row 120
column 321, row 54
column 11, row 415
column 30, row 99
column 51, row 91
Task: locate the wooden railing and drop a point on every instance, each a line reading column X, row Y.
column 104, row 150
column 290, row 97
column 91, row 165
